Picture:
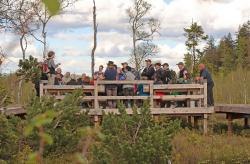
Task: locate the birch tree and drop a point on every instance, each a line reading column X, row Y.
column 143, row 29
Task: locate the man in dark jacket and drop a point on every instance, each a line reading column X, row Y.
column 149, row 71
column 167, row 74
column 111, row 89
column 158, row 75
column 204, row 74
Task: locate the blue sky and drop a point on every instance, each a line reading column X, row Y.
column 70, row 34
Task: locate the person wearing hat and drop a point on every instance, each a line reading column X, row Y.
column 149, row 71
column 204, row 74
column 158, row 75
column 167, row 73
column 183, row 71
column 111, row 89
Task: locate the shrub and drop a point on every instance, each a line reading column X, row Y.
column 65, row 128
column 134, row 139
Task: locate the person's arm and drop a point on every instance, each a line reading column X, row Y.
column 151, row 72
column 185, row 76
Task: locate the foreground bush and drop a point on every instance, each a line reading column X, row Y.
column 134, row 139
column 190, row 147
column 65, row 129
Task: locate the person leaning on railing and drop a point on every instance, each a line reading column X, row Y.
column 204, row 74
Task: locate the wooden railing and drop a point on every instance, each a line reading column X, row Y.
column 195, row 95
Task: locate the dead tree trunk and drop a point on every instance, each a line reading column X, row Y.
column 95, row 40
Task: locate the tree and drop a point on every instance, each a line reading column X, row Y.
column 95, row 40
column 44, row 13
column 226, row 50
column 21, row 21
column 195, row 35
column 143, row 29
column 243, row 45
column 210, row 56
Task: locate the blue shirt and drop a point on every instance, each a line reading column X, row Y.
column 206, row 75
column 110, row 74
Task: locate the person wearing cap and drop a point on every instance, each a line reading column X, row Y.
column 99, row 75
column 149, row 71
column 111, row 89
column 183, row 71
column 167, row 74
column 204, row 74
column 158, row 75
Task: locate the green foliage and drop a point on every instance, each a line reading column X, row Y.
column 134, row 139
column 53, row 6
column 65, row 128
column 28, row 69
column 190, row 147
column 5, row 99
column 195, row 35
column 8, row 138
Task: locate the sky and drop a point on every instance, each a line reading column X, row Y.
column 70, row 34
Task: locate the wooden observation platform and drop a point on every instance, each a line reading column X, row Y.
column 194, row 95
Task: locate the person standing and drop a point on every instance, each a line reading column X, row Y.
column 204, row 74
column 149, row 71
column 111, row 89
column 99, row 75
column 158, row 75
column 52, row 67
column 183, row 71
column 128, row 89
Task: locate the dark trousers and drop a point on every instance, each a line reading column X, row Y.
column 210, row 96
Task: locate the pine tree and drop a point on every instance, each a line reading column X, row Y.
column 195, row 35
column 229, row 58
column 243, row 45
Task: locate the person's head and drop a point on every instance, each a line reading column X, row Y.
column 51, row 54
column 110, row 64
column 165, row 66
column 201, row 66
column 73, row 76
column 119, row 70
column 59, row 71
column 127, row 69
column 157, row 65
column 124, row 65
column 84, row 75
column 148, row 62
column 67, row 74
column 101, row 68
column 86, row 79
column 181, row 65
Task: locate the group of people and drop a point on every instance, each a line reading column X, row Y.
column 159, row 73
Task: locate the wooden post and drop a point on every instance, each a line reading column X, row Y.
column 96, row 121
column 196, row 122
column 230, row 124
column 189, row 120
column 151, row 95
column 205, row 93
column 96, row 103
column 41, row 89
column 246, row 125
column 205, row 124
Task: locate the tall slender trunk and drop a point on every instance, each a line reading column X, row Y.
column 23, row 45
column 194, row 61
column 44, row 40
column 95, row 40
column 134, row 50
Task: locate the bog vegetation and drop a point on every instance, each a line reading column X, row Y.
column 59, row 132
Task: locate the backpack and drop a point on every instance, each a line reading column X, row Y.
column 45, row 67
